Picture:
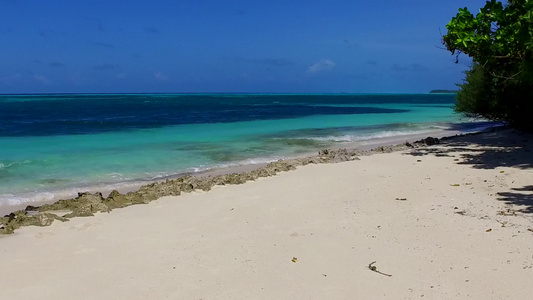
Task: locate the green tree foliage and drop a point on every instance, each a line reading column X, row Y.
column 500, row 41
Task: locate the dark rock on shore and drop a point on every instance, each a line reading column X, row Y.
column 21, row 218
column 340, row 155
column 429, row 141
column 31, row 208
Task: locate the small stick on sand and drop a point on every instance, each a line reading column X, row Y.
column 373, row 268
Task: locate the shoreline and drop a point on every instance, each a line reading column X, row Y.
column 87, row 203
column 135, row 185
column 452, row 220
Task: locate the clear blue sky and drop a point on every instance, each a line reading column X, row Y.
column 289, row 46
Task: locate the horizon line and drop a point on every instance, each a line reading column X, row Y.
column 230, row 93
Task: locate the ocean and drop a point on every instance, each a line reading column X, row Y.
column 54, row 146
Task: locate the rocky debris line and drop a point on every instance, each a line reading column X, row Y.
column 429, row 141
column 86, row 204
column 21, row 218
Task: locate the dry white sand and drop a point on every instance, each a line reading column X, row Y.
column 462, row 232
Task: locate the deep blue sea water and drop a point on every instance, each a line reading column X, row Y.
column 52, row 146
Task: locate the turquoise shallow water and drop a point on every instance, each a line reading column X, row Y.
column 53, row 146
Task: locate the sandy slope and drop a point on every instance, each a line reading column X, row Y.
column 462, row 232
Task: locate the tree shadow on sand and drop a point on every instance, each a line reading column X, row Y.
column 487, row 150
column 498, row 147
column 519, row 196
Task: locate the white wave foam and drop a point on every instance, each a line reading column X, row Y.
column 244, row 162
column 348, row 138
column 30, row 198
column 200, row 169
column 7, row 165
column 333, row 138
column 259, row 160
column 12, row 200
column 116, row 175
column 443, row 127
column 390, row 134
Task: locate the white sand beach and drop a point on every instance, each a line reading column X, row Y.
column 452, row 221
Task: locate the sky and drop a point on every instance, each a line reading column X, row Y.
column 242, row 46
